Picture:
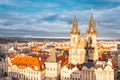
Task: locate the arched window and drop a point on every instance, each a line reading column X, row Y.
column 67, row 77
column 73, row 39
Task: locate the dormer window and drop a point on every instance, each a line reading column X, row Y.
column 42, row 66
column 36, row 67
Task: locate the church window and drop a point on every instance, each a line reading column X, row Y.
column 90, row 40
column 73, row 39
column 65, row 78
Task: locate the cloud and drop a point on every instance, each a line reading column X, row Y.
column 54, row 22
column 29, row 5
column 14, row 3
column 112, row 0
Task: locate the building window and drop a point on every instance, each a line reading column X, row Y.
column 73, row 79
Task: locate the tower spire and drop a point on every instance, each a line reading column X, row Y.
column 75, row 26
column 92, row 40
column 92, row 24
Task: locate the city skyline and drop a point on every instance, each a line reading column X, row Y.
column 34, row 18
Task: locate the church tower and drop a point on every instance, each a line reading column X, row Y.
column 75, row 33
column 76, row 52
column 92, row 52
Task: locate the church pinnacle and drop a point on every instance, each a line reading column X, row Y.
column 75, row 28
column 92, row 24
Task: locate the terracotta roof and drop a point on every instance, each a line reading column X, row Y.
column 35, row 48
column 114, row 63
column 79, row 66
column 70, row 66
column 12, row 55
column 64, row 60
column 28, row 61
column 42, row 55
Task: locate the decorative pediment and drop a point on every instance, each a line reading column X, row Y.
column 99, row 69
column 108, row 68
column 84, row 68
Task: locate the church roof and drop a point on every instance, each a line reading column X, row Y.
column 75, row 28
column 92, row 24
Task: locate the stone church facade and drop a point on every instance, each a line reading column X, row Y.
column 83, row 56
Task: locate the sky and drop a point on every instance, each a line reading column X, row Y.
column 53, row 18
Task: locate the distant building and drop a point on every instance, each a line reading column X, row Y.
column 3, row 66
column 119, row 61
column 118, row 46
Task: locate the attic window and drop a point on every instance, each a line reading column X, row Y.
column 36, row 67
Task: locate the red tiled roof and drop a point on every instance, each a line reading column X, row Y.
column 28, row 61
column 12, row 55
column 35, row 48
column 64, row 60
column 114, row 63
column 70, row 66
column 79, row 67
column 42, row 55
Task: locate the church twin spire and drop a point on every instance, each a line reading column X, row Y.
column 92, row 25
column 75, row 29
column 91, row 28
column 80, row 46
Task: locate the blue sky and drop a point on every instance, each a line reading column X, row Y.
column 53, row 18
